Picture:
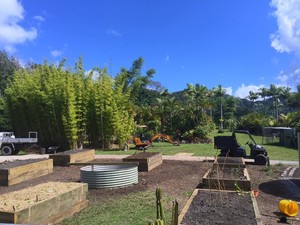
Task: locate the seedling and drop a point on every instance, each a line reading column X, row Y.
column 239, row 190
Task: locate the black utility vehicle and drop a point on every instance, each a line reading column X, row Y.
column 229, row 146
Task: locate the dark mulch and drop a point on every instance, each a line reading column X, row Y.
column 297, row 173
column 210, row 207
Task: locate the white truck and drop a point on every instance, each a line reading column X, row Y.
column 10, row 145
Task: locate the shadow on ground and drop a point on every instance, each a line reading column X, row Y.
column 287, row 188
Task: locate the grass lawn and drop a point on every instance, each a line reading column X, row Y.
column 275, row 151
column 134, row 209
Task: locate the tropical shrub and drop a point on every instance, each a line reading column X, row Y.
column 254, row 122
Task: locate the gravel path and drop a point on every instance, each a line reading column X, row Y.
column 165, row 157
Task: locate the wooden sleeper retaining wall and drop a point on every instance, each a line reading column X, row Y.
column 22, row 173
column 146, row 163
column 76, row 157
column 227, row 181
column 64, row 200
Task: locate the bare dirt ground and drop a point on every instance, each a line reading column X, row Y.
column 180, row 178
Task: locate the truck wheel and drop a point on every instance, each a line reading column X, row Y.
column 6, row 150
column 260, row 160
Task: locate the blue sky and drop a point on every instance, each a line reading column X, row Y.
column 241, row 44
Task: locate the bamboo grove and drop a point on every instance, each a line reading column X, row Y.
column 69, row 107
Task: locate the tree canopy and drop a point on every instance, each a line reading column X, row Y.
column 71, row 107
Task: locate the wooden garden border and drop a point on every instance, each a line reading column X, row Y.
column 49, row 210
column 76, row 157
column 25, row 172
column 223, row 183
column 145, row 164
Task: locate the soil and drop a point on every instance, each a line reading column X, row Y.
column 269, row 183
column 16, row 163
column 227, row 173
column 208, row 208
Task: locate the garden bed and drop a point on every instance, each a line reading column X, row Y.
column 207, row 207
column 227, row 178
column 147, row 160
column 43, row 204
column 22, row 170
column 72, row 156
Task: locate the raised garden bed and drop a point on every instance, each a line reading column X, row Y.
column 227, row 178
column 147, row 160
column 46, row 203
column 72, row 156
column 230, row 162
column 22, row 170
column 207, row 207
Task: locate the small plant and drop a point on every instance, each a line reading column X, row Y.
column 268, row 170
column 175, row 213
column 160, row 214
column 239, row 190
column 274, row 170
column 188, row 194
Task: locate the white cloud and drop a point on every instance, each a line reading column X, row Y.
column 11, row 32
column 56, row 53
column 228, row 90
column 167, row 58
column 243, row 91
column 287, row 37
column 282, row 77
column 113, row 32
column 39, row 19
column 291, row 79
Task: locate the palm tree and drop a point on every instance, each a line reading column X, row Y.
column 219, row 92
column 252, row 97
column 294, row 99
column 275, row 93
column 264, row 92
column 285, row 94
column 198, row 102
